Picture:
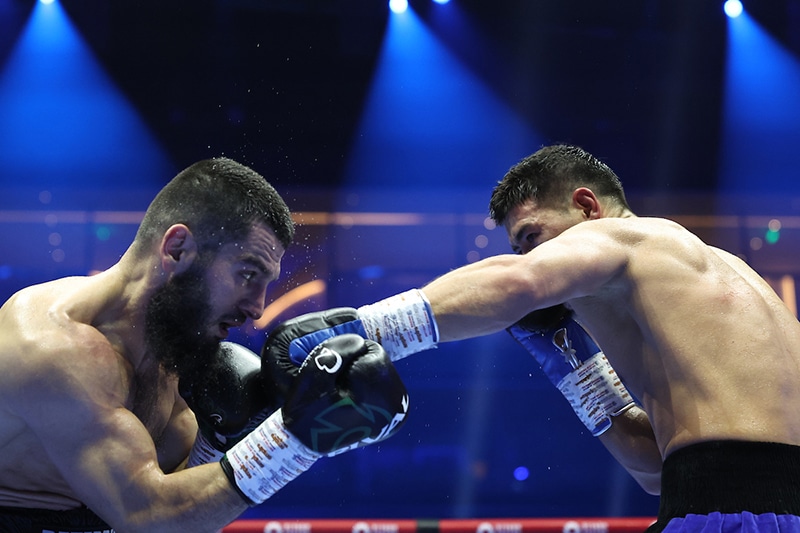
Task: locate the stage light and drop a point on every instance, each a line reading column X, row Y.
column 760, row 113
column 47, row 1
column 398, row 6
column 733, row 8
column 52, row 87
column 425, row 109
column 441, row 1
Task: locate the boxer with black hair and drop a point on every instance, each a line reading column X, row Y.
column 695, row 334
column 94, row 430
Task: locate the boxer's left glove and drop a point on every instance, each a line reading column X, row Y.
column 574, row 364
column 346, row 394
column 402, row 324
column 228, row 401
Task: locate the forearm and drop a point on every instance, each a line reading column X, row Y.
column 632, row 443
column 196, row 499
column 481, row 298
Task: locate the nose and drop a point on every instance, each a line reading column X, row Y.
column 253, row 305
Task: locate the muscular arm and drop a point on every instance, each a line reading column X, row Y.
column 76, row 407
column 631, row 441
column 490, row 295
column 115, row 471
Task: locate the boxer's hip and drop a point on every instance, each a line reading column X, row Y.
column 25, row 520
column 731, row 480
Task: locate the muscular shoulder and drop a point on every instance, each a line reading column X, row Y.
column 614, row 254
column 629, row 231
column 46, row 353
column 632, row 235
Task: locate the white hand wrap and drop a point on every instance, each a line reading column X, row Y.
column 203, row 452
column 403, row 324
column 595, row 393
column 267, row 459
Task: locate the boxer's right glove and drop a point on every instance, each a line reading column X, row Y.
column 574, row 364
column 228, row 401
column 346, row 394
column 402, row 324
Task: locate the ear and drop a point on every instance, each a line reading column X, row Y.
column 178, row 249
column 584, row 199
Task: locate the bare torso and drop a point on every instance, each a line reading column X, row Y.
column 698, row 337
column 62, row 352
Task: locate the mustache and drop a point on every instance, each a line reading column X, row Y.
column 234, row 319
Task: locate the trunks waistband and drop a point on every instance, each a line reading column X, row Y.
column 30, row 520
column 730, row 477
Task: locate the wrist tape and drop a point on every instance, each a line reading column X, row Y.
column 595, row 393
column 403, row 324
column 266, row 460
column 203, row 451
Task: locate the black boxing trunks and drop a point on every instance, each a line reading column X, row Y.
column 730, row 486
column 22, row 520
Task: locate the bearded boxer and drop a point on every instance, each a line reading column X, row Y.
column 93, row 429
column 696, row 335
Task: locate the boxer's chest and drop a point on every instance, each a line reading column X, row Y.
column 153, row 401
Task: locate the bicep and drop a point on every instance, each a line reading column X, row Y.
column 178, row 437
column 490, row 295
column 103, row 452
column 578, row 263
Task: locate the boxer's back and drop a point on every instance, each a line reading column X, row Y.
column 700, row 338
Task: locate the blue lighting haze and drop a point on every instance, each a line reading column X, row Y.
column 428, row 121
column 761, row 113
column 64, row 121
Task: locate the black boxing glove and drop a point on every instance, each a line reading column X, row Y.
column 346, row 394
column 281, row 356
column 228, row 401
column 403, row 324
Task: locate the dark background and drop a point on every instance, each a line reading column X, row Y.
column 289, row 88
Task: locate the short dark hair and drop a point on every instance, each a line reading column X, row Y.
column 549, row 176
column 220, row 201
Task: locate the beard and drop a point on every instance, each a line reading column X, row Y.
column 177, row 322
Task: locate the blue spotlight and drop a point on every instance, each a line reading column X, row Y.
column 425, row 111
column 53, row 89
column 733, row 8
column 398, row 6
column 441, row 1
column 761, row 111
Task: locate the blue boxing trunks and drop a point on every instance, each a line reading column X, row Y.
column 22, row 520
column 730, row 486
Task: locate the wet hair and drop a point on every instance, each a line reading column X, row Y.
column 220, row 201
column 549, row 176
